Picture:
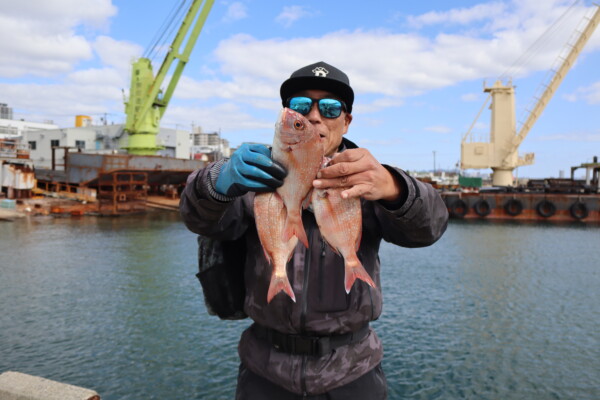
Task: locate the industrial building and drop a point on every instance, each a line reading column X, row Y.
column 89, row 162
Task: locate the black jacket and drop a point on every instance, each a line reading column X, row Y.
column 417, row 219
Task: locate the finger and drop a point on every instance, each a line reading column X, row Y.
column 349, row 155
column 276, row 170
column 252, row 173
column 257, row 158
column 265, row 163
column 343, row 181
column 259, row 148
column 341, row 169
column 354, row 191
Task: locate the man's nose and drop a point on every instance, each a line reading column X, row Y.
column 314, row 116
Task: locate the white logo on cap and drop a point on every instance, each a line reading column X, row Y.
column 320, row 71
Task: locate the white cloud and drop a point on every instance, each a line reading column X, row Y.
column 291, row 14
column 416, row 65
column 115, row 53
column 384, row 66
column 39, row 37
column 470, row 97
column 58, row 16
column 235, row 12
column 438, row 129
column 98, row 76
column 242, row 88
column 570, row 137
column 460, row 16
column 226, row 116
column 591, row 94
column 64, row 101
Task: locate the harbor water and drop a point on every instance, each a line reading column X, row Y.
column 491, row 311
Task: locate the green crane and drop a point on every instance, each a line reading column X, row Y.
column 147, row 103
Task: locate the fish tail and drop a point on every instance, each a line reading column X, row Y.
column 278, row 284
column 354, row 271
column 294, row 227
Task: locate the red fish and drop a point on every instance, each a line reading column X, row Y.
column 299, row 148
column 270, row 217
column 340, row 223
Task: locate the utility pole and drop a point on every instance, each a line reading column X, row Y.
column 220, row 153
column 434, row 162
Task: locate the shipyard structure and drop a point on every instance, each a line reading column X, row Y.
column 551, row 199
column 87, row 165
column 115, row 168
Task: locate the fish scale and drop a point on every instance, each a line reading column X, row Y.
column 340, row 223
column 270, row 215
column 299, row 148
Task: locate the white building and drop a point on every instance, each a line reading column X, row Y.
column 176, row 143
column 12, row 129
column 208, row 146
column 15, row 129
column 98, row 139
column 42, row 137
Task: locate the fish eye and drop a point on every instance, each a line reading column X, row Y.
column 298, row 124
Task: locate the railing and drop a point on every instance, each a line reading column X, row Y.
column 13, row 149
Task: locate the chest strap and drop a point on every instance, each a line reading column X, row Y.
column 306, row 344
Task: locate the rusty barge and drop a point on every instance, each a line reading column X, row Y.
column 113, row 184
column 551, row 199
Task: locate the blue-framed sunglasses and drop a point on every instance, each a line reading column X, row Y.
column 329, row 108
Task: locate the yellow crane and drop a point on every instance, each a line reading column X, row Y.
column 501, row 152
column 147, row 103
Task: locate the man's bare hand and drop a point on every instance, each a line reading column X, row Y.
column 361, row 173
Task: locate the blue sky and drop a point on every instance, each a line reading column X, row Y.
column 417, row 68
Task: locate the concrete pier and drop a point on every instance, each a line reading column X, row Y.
column 19, row 386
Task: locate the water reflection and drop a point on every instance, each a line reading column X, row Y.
column 489, row 312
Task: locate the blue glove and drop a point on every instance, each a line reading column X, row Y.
column 250, row 168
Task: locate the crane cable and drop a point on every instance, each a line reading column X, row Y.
column 537, row 46
column 165, row 32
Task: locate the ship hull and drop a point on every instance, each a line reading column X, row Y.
column 524, row 206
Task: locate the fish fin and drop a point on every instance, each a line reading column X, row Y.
column 307, row 200
column 267, row 256
column 294, row 227
column 335, row 249
column 354, row 271
column 358, row 240
column 291, row 255
column 278, row 284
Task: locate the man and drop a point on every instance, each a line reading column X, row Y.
column 321, row 346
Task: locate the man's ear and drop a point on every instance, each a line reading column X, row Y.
column 347, row 121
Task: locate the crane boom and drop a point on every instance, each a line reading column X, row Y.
column 500, row 153
column 147, row 104
column 554, row 83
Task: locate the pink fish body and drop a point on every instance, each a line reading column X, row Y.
column 270, row 217
column 340, row 223
column 299, row 148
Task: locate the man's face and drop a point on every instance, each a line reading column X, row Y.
column 330, row 129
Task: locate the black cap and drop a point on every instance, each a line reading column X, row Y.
column 320, row 76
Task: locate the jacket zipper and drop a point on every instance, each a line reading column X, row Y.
column 304, row 309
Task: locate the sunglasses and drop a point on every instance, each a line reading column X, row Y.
column 329, row 108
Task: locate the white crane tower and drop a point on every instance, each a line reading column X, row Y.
column 501, row 152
